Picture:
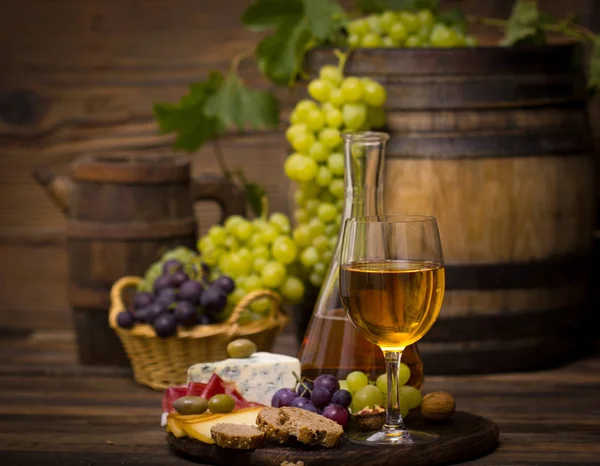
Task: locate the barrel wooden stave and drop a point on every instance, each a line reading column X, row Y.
column 495, row 143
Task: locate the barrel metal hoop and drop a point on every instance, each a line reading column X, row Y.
column 140, row 230
column 487, row 146
column 546, row 273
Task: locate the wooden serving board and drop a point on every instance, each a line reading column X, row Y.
column 465, row 436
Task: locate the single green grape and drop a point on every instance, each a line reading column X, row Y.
column 326, row 212
column 371, row 40
column 410, row 397
column 239, row 266
column 302, row 235
column 404, row 374
column 358, row 27
column 309, row 257
column 368, row 395
column 426, row 19
column 284, row 250
column 217, row 234
column 316, row 227
column 353, row 42
column 330, row 137
column 333, row 118
column 292, row 289
column 336, row 99
column 381, row 383
column 319, row 89
column 312, row 205
column 273, row 274
column 410, row 20
column 301, row 215
column 315, row 279
column 300, row 167
column 315, row 120
column 269, row 233
column 413, row 41
column 301, row 142
column 294, row 130
column 318, row 152
column 320, row 268
column 281, row 221
column 355, row 115
column 321, row 243
column 337, row 187
column 324, row 176
column 357, row 380
column 388, row 42
column 374, row 93
column 231, row 222
column 335, row 162
column 374, row 22
column 352, row 89
column 258, row 264
column 331, row 74
column 243, row 231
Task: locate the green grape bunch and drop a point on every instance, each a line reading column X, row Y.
column 408, row 29
column 256, row 254
column 339, row 104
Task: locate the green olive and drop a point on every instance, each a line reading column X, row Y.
column 190, row 405
column 241, row 348
column 221, row 403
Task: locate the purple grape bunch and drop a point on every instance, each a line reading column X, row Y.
column 322, row 396
column 178, row 299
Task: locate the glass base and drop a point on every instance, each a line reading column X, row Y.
column 392, row 437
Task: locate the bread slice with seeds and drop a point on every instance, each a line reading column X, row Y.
column 237, row 436
column 283, row 424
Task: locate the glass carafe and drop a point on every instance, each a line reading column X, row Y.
column 331, row 344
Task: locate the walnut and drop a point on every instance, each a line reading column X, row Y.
column 438, row 406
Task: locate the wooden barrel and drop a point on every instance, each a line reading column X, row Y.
column 495, row 143
column 124, row 211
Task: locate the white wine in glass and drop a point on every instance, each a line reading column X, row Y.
column 392, row 287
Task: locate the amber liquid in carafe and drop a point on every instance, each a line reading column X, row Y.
column 333, row 346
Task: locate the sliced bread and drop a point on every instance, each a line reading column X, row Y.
column 281, row 424
column 237, row 436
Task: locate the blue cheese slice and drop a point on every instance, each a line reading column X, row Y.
column 257, row 377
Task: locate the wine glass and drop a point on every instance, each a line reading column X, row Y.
column 392, row 286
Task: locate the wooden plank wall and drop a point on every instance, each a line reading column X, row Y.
column 81, row 76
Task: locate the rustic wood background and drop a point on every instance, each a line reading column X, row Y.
column 81, row 76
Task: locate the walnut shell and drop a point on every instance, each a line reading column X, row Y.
column 438, row 406
column 370, row 419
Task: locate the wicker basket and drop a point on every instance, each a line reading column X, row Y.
column 163, row 362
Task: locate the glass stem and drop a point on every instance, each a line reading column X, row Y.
column 393, row 418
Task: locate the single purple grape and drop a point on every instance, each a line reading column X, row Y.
column 225, row 283
column 191, row 291
column 143, row 315
column 300, row 402
column 185, row 314
column 304, row 389
column 312, row 408
column 161, row 283
column 171, row 266
column 142, row 299
column 125, row 319
column 179, row 277
column 283, row 397
column 165, row 325
column 342, row 398
column 320, row 397
column 167, row 297
column 213, row 300
column 327, row 381
column 155, row 310
column 336, row 413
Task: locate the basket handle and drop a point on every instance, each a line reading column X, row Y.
column 246, row 300
column 116, row 297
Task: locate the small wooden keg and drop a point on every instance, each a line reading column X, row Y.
column 124, row 210
column 494, row 142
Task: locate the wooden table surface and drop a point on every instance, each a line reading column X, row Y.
column 55, row 412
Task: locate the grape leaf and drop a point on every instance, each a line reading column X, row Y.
column 524, row 24
column 235, row 104
column 280, row 55
column 187, row 118
column 320, row 17
column 267, row 14
column 594, row 68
